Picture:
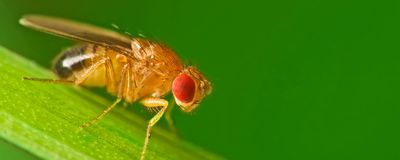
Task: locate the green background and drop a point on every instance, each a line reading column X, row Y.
column 292, row 79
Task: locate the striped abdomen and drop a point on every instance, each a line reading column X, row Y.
column 73, row 62
column 69, row 61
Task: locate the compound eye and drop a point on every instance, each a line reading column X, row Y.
column 183, row 88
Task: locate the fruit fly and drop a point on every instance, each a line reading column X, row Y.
column 132, row 69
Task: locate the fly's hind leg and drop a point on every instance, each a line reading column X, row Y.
column 77, row 81
column 152, row 102
column 61, row 81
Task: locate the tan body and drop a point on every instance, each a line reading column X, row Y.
column 149, row 74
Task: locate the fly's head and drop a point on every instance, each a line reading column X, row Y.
column 189, row 88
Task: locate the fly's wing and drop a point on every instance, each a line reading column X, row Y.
column 78, row 31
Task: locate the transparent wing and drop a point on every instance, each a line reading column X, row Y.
column 78, row 31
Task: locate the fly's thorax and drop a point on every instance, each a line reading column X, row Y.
column 155, row 55
column 154, row 82
column 155, row 68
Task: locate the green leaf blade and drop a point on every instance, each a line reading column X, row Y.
column 43, row 119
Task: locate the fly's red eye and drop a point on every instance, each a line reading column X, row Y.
column 183, row 88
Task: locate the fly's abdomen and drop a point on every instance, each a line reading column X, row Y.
column 73, row 62
column 69, row 61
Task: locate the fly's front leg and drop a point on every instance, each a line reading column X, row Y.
column 152, row 102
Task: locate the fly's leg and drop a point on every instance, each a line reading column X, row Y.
column 129, row 91
column 101, row 115
column 110, row 76
column 122, row 84
column 152, row 102
column 77, row 81
column 62, row 81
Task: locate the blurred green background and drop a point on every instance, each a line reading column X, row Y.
column 292, row 79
